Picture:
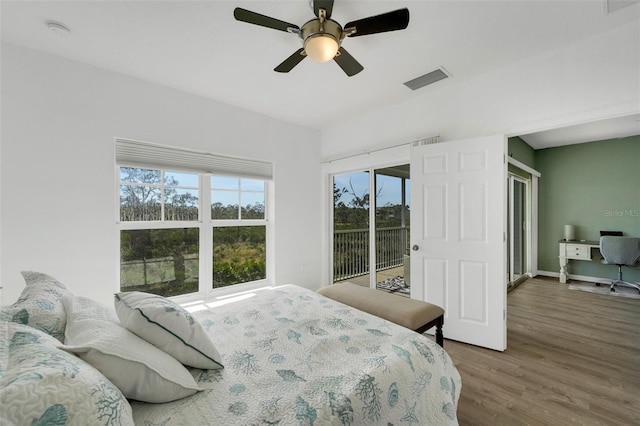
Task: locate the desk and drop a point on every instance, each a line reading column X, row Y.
column 576, row 250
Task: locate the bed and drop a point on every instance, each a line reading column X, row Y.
column 290, row 356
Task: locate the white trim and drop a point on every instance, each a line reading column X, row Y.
column 157, row 224
column 373, row 273
column 534, row 211
column 523, row 166
column 430, row 139
column 399, row 154
column 586, row 278
column 206, row 233
column 534, row 226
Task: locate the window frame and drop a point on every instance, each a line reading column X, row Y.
column 205, row 224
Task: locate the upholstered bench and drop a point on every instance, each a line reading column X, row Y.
column 410, row 313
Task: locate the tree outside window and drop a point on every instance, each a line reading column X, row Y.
column 164, row 232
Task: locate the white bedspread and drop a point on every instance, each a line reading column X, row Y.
column 293, row 357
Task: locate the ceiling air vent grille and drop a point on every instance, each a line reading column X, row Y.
column 426, row 79
column 426, row 141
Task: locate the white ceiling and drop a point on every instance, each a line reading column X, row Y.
column 611, row 128
column 198, row 47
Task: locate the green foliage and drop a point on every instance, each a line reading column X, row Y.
column 220, row 211
column 157, row 243
column 239, row 255
column 225, row 274
column 166, row 261
column 355, row 213
column 231, row 211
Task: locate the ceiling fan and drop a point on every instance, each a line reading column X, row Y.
column 322, row 37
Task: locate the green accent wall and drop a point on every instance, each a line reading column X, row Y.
column 594, row 186
column 521, row 151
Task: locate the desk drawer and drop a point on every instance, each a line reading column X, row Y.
column 578, row 251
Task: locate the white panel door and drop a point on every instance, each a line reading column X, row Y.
column 458, row 224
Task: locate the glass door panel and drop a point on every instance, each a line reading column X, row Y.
column 518, row 240
column 351, row 192
column 519, row 229
column 391, row 226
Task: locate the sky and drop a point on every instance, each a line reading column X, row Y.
column 389, row 187
column 225, row 190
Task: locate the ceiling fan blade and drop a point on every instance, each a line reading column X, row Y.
column 293, row 60
column 348, row 64
column 327, row 5
column 262, row 20
column 390, row 21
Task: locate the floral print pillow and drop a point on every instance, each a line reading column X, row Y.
column 40, row 305
column 41, row 384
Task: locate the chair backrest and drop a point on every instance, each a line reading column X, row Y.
column 615, row 233
column 620, row 250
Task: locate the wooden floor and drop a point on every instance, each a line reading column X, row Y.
column 572, row 358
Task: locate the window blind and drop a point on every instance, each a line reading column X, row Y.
column 143, row 154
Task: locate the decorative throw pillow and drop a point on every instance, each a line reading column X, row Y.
column 168, row 326
column 40, row 305
column 44, row 385
column 139, row 369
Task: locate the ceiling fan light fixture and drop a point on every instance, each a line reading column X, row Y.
column 321, row 47
column 322, row 37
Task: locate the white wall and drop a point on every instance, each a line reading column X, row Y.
column 57, row 175
column 598, row 77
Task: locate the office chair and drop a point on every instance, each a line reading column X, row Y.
column 620, row 251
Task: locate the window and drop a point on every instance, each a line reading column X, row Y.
column 240, row 238
column 149, row 195
column 184, row 232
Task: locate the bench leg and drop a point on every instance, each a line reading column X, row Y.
column 439, row 335
column 437, row 323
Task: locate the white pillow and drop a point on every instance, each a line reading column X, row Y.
column 139, row 369
column 168, row 326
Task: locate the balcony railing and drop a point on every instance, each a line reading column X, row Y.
column 351, row 251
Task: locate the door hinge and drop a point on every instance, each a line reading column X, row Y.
column 504, row 314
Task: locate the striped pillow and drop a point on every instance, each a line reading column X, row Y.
column 168, row 326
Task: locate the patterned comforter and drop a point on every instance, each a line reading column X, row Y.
column 294, row 357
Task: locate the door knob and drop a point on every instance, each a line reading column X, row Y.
column 415, row 247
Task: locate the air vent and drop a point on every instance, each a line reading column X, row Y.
column 426, row 141
column 425, row 80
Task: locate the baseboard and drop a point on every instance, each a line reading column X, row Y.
column 576, row 277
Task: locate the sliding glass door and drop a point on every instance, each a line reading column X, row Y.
column 357, row 228
column 518, row 238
